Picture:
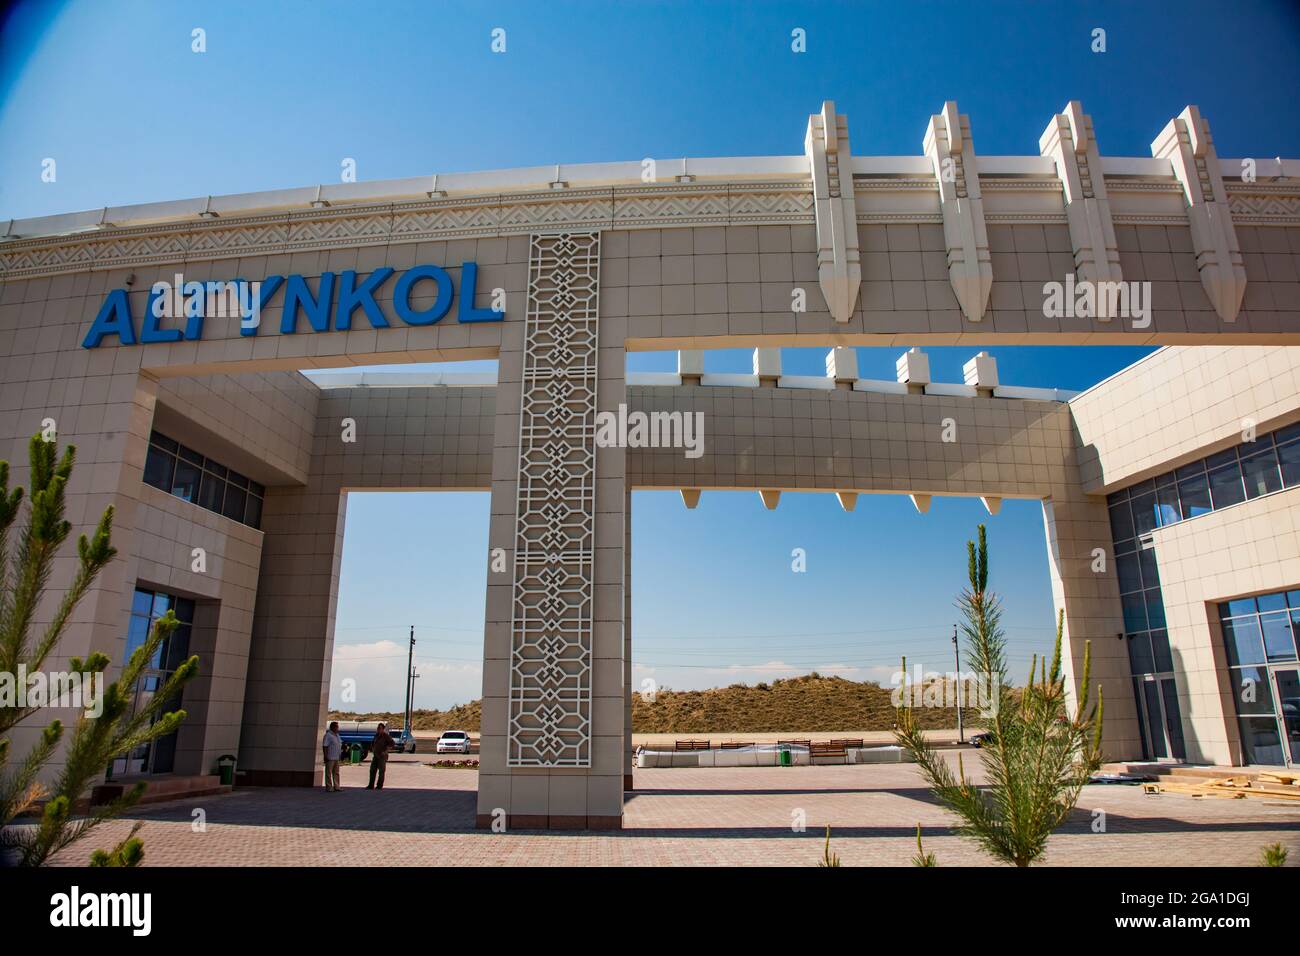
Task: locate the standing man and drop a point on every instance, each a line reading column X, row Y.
column 331, row 746
column 379, row 748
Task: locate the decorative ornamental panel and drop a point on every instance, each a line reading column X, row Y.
column 555, row 536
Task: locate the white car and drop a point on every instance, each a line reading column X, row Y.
column 453, row 742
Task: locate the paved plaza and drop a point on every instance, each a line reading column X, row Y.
column 679, row 817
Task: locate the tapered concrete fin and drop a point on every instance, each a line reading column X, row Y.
column 951, row 152
column 848, row 499
column 1069, row 141
column 922, row 502
column 839, row 268
column 690, row 497
column 992, row 505
column 1186, row 143
column 770, row 499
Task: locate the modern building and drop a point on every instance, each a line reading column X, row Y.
column 168, row 343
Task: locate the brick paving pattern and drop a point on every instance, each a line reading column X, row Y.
column 680, row 817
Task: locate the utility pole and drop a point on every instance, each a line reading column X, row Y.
column 410, row 666
column 961, row 732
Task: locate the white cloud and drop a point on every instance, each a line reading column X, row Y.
column 377, row 670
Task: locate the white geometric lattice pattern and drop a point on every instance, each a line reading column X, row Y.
column 550, row 656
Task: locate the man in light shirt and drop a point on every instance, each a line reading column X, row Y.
column 332, row 747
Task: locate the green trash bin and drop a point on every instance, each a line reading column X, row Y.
column 786, row 759
column 226, row 767
column 354, row 754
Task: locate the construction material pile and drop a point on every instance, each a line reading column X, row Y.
column 1273, row 785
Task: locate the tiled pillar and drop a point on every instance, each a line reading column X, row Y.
column 552, row 747
column 627, row 642
column 1075, row 526
column 287, row 692
column 104, row 406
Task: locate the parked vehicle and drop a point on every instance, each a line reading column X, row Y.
column 403, row 741
column 362, row 732
column 979, row 740
column 453, row 742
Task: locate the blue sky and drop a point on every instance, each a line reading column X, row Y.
column 286, row 91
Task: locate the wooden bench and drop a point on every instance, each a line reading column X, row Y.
column 795, row 743
column 691, row 745
column 828, row 748
column 849, row 742
column 733, row 744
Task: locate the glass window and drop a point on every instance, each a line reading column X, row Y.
column 1289, row 455
column 1271, row 602
column 141, row 602
column 1151, row 693
column 1161, row 655
column 211, row 493
column 1135, row 611
column 1167, row 512
column 185, row 483
column 1194, row 496
column 1228, row 457
column 1130, row 576
column 1244, row 642
column 1144, row 513
column 1150, row 571
column 1155, row 608
column 1253, row 690
column 1173, row 718
column 236, row 498
column 163, row 442
column 158, row 468
column 1278, row 642
column 1238, row 607
column 1225, row 486
column 1121, row 522
column 1139, row 654
column 136, row 633
column 1261, row 474
column 253, row 514
column 1260, row 741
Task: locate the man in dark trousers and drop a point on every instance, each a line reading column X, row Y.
column 379, row 748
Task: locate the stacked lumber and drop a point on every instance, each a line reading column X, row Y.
column 1272, row 785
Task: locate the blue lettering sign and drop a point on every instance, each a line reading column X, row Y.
column 324, row 310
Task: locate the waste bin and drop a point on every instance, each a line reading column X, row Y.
column 786, row 759
column 226, row 767
column 354, row 754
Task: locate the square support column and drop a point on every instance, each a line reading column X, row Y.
column 552, row 747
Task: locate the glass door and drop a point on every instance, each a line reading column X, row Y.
column 1287, row 687
column 1160, row 718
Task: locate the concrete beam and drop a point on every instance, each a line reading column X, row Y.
column 690, row 497
column 770, row 499
column 992, row 505
column 848, row 499
column 922, row 502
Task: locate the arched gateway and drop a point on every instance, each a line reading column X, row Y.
column 558, row 272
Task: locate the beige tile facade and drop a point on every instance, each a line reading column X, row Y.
column 682, row 265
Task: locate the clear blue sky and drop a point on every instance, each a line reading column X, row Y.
column 287, row 90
